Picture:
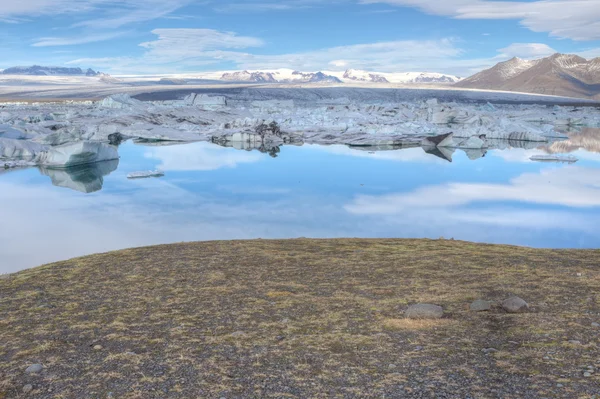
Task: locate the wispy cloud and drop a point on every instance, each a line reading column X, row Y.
column 573, row 19
column 73, row 40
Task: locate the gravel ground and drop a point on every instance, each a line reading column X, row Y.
column 303, row 319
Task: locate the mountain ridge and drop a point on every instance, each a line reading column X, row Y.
column 559, row 74
column 38, row 70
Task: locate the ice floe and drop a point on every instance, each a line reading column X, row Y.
column 250, row 119
column 554, row 158
column 146, row 174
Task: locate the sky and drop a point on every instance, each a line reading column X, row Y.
column 459, row 37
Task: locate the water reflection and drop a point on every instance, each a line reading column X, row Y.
column 85, row 179
column 211, row 192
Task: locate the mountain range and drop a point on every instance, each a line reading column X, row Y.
column 560, row 75
column 38, row 70
column 350, row 75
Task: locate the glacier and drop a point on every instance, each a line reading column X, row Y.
column 65, row 134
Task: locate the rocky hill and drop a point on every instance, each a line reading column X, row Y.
column 559, row 75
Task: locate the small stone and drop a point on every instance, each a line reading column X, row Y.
column 418, row 348
column 238, row 334
column 597, row 325
column 424, row 311
column 515, row 305
column 587, row 374
column 546, row 358
column 574, row 342
column 559, row 385
column 392, row 366
column 34, row 369
column 489, row 350
column 98, row 347
column 28, row 388
column 481, row 306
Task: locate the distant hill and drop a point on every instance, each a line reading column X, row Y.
column 559, row 75
column 37, row 70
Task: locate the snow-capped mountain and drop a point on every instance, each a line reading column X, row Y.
column 356, row 75
column 348, row 76
column 560, row 74
column 245, row 76
column 363, row 76
column 279, row 76
column 38, row 70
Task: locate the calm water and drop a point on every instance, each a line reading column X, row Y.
column 210, row 192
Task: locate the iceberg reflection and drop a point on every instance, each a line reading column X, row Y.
column 85, row 178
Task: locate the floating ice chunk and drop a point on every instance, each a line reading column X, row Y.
column 146, row 174
column 431, row 102
column 15, row 164
column 489, row 107
column 120, row 101
column 205, row 101
column 442, row 141
column 473, row 143
column 20, row 149
column 555, row 158
column 273, row 105
column 76, row 154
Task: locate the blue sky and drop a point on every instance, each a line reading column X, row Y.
column 157, row 36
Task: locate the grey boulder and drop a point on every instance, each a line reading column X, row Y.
column 34, row 369
column 424, row 311
column 515, row 305
column 481, row 305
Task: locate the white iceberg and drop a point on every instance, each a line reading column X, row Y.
column 146, row 174
column 205, row 101
column 120, row 101
column 554, row 158
column 76, row 154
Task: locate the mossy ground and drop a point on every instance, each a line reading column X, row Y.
column 303, row 319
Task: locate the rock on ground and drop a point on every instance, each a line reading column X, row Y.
column 34, row 369
column 515, row 305
column 480, row 305
column 424, row 311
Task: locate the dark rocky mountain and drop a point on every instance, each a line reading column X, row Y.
column 559, row 75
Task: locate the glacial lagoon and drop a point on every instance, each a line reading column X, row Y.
column 211, row 192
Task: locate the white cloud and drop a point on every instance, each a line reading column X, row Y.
column 573, row 19
column 80, row 39
column 92, row 14
column 174, row 45
column 186, row 49
column 526, row 50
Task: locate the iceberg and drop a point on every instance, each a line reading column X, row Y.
column 76, row 154
column 555, row 158
column 145, row 174
column 120, row 101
